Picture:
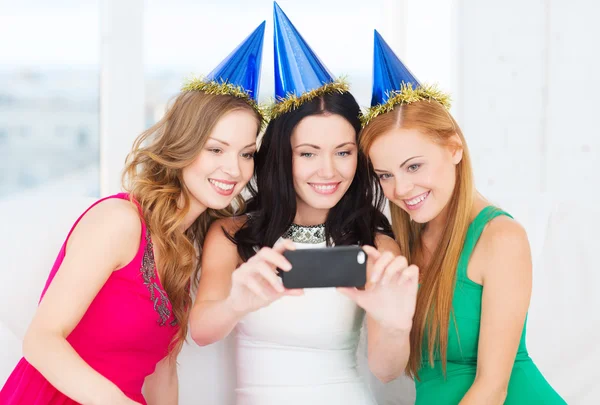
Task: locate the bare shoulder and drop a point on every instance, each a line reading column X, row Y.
column 231, row 224
column 219, row 253
column 218, row 244
column 502, row 252
column 220, row 228
column 116, row 214
column 386, row 244
column 113, row 224
column 503, row 234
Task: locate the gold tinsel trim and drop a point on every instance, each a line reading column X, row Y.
column 291, row 101
column 226, row 89
column 406, row 95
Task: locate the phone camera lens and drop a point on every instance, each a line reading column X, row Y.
column 360, row 258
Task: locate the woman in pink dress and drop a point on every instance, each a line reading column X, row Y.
column 114, row 311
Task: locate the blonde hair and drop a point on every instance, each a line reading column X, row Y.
column 153, row 177
column 438, row 277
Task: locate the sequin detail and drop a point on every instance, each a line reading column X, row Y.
column 306, row 234
column 157, row 295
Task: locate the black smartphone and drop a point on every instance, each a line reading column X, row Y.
column 337, row 266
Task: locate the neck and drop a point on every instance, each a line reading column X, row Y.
column 435, row 227
column 309, row 216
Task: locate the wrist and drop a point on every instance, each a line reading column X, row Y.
column 396, row 329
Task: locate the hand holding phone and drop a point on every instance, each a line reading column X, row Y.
column 255, row 283
column 390, row 296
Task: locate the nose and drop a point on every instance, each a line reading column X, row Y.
column 403, row 187
column 231, row 166
column 327, row 168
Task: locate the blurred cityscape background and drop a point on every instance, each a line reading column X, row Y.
column 50, row 74
column 80, row 79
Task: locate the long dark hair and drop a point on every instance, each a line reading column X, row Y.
column 355, row 219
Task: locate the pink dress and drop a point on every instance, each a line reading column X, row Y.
column 125, row 332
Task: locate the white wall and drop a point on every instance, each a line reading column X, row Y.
column 572, row 137
column 523, row 78
column 527, row 84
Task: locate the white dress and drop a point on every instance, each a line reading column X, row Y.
column 301, row 350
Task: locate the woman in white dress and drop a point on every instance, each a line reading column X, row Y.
column 313, row 188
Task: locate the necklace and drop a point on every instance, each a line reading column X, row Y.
column 306, row 234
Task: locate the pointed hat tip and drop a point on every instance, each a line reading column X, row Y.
column 378, row 37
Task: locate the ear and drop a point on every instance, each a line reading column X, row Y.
column 456, row 148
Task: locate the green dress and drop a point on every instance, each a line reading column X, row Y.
column 527, row 385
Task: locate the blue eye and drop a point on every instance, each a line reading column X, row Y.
column 344, row 153
column 414, row 167
column 307, row 154
column 384, row 176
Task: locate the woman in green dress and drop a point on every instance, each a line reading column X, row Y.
column 468, row 334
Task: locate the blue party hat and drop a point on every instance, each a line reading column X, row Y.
column 389, row 73
column 300, row 76
column 238, row 74
column 394, row 84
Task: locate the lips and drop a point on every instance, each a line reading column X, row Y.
column 222, row 187
column 416, row 202
column 325, row 188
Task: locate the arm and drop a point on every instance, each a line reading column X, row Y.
column 212, row 318
column 105, row 239
column 388, row 346
column 506, row 276
column 226, row 294
column 162, row 386
column 389, row 298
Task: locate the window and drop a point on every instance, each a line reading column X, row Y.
column 49, row 96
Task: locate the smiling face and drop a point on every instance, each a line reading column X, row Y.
column 324, row 160
column 226, row 162
column 416, row 173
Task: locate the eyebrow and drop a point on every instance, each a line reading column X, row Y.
column 403, row 163
column 406, row 161
column 344, row 144
column 226, row 144
column 318, row 147
column 220, row 141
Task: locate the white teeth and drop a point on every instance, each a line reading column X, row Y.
column 324, row 188
column 417, row 200
column 222, row 186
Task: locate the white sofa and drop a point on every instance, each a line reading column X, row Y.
column 563, row 331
